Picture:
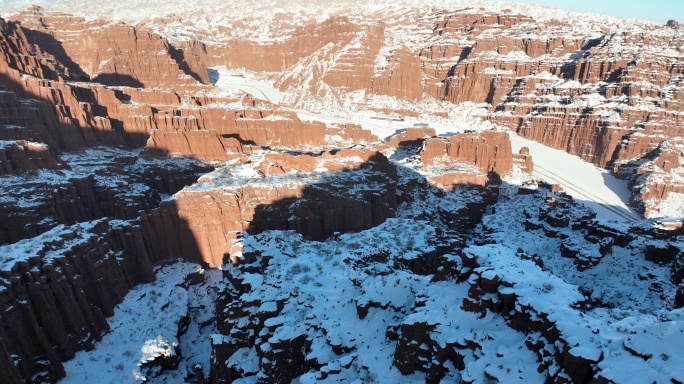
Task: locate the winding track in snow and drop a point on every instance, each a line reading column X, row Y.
column 566, row 184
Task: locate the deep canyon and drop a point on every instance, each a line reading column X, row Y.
column 284, row 192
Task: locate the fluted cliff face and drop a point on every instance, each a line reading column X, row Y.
column 657, row 181
column 64, row 266
column 607, row 93
column 113, row 53
column 289, row 193
column 69, row 116
column 489, row 151
column 57, row 290
column 19, row 156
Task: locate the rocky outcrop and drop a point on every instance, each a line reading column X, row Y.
column 68, row 83
column 112, row 53
column 257, row 335
column 412, row 136
column 279, row 132
column 311, row 44
column 283, row 192
column 58, row 289
column 524, row 160
column 200, row 145
column 398, row 78
column 97, row 185
column 78, row 257
column 49, row 110
column 568, row 104
column 69, row 116
column 579, row 367
column 585, row 90
column 655, row 180
column 21, row 156
column 353, row 133
column 489, row 151
column 18, row 53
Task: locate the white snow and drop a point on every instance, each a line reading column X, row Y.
column 594, row 187
column 324, row 283
column 623, row 277
column 209, row 13
column 42, row 245
column 244, row 80
column 144, row 327
column 591, row 334
column 320, row 284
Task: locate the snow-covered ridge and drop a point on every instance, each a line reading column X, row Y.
column 208, row 12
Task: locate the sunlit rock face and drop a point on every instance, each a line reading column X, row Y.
column 599, row 89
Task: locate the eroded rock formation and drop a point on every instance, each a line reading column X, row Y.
column 79, row 229
column 278, row 192
column 57, row 291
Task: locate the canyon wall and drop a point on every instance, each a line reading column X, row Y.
column 201, row 223
column 57, row 291
column 609, row 93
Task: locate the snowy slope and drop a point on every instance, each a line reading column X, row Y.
column 146, row 326
column 226, row 80
column 325, row 284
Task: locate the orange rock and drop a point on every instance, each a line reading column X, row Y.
column 201, row 225
column 412, row 135
column 489, row 151
column 112, row 53
column 200, row 145
column 20, row 156
column 524, row 160
column 447, row 181
column 352, row 132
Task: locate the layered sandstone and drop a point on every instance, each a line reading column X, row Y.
column 524, row 160
column 604, row 92
column 200, row 145
column 489, row 151
column 112, row 53
column 20, row 156
column 283, row 192
column 528, row 76
column 588, row 95
column 411, row 136
column 74, row 115
column 89, row 186
column 353, row 133
column 660, row 179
